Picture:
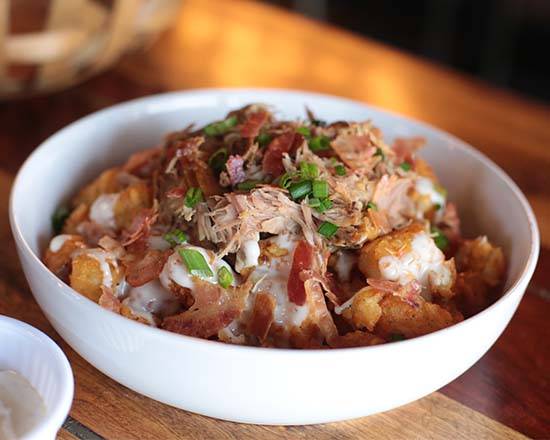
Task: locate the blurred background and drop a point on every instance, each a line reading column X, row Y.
column 505, row 42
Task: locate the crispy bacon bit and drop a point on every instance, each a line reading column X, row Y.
column 405, row 148
column 451, row 222
column 251, row 128
column 142, row 270
column 273, row 158
column 140, row 227
column 206, row 318
column 92, row 232
column 318, row 311
column 391, row 197
column 383, row 285
column 235, row 169
column 262, row 315
column 410, row 292
column 111, row 245
column 176, row 193
column 108, row 300
column 302, row 260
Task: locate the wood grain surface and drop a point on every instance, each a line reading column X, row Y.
column 238, row 43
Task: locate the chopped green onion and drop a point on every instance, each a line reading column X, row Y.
column 175, row 236
column 309, row 170
column 285, row 180
column 440, row 239
column 319, row 143
column 394, row 337
column 406, row 166
column 320, row 189
column 300, row 189
column 247, row 185
column 221, row 127
column 437, row 206
column 218, row 159
column 372, row 205
column 323, row 205
column 440, row 190
column 380, row 153
column 225, row 277
column 263, row 139
column 304, row 131
column 327, row 229
column 340, row 170
column 196, row 263
column 192, row 197
column 59, row 218
column 314, row 202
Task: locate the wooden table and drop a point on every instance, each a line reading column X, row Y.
column 221, row 43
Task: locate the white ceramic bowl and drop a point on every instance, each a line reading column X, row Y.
column 37, row 358
column 247, row 384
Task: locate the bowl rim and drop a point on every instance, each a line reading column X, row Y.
column 175, row 98
column 56, row 414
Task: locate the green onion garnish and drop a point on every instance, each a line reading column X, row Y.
column 175, row 237
column 59, row 218
column 380, row 153
column 192, row 197
column 247, row 185
column 372, row 205
column 320, row 189
column 440, row 239
column 437, row 206
column 340, row 170
column 327, row 229
column 304, row 131
column 221, row 127
column 300, row 189
column 218, row 159
column 319, row 143
column 225, row 277
column 263, row 139
column 309, row 170
column 314, row 202
column 406, row 166
column 394, row 337
column 196, row 263
column 285, row 181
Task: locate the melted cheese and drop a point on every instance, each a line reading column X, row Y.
column 423, row 261
column 426, row 187
column 151, row 299
column 158, row 242
column 248, row 255
column 175, row 270
column 58, row 241
column 272, row 277
column 345, row 262
column 21, row 407
column 102, row 210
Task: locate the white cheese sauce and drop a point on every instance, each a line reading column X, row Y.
column 158, row 243
column 248, row 254
column 58, row 241
column 272, row 278
column 103, row 258
column 423, row 261
column 175, row 270
column 151, row 299
column 345, row 262
column 102, row 210
column 425, row 187
column 21, row 407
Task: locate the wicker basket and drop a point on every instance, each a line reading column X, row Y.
column 47, row 45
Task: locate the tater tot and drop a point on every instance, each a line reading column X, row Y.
column 106, row 183
column 130, row 201
column 400, row 318
column 481, row 257
column 90, row 271
column 58, row 254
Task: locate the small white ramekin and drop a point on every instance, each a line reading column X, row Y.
column 36, row 357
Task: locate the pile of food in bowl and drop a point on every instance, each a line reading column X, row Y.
column 257, row 231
